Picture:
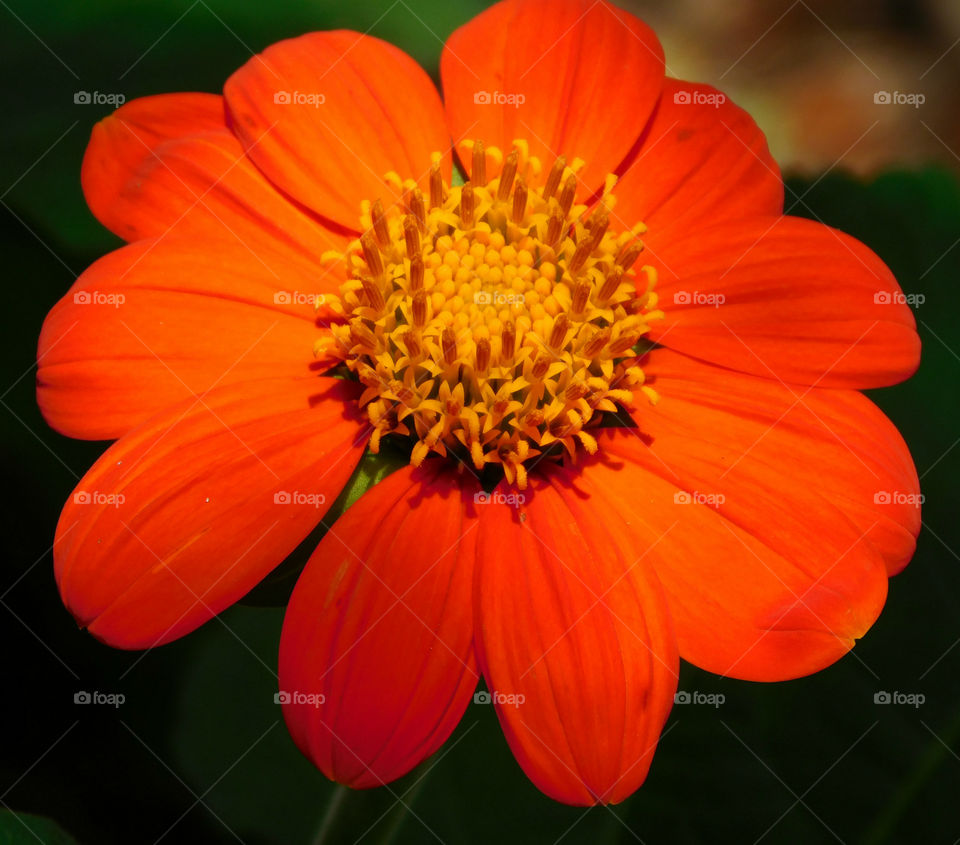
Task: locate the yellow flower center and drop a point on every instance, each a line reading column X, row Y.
column 495, row 321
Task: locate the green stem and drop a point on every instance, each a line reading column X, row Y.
column 327, row 824
column 886, row 821
column 401, row 815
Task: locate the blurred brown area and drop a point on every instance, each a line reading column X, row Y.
column 814, row 74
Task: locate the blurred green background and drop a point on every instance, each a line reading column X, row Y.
column 198, row 750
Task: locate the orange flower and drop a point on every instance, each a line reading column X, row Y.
column 611, row 328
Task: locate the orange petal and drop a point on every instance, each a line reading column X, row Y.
column 589, row 75
column 201, row 186
column 184, row 515
column 767, row 578
column 702, row 161
column 784, row 298
column 835, row 442
column 158, row 321
column 574, row 639
column 376, row 657
column 122, row 142
column 325, row 116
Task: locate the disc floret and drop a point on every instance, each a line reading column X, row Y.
column 497, row 319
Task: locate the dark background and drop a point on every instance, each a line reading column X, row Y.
column 198, row 750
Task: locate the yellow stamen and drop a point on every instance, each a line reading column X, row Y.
column 499, row 320
column 380, row 225
column 479, row 172
column 553, row 180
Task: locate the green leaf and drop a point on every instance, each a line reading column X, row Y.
column 230, row 743
column 28, row 829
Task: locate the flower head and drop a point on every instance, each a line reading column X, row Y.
column 494, row 319
column 626, row 383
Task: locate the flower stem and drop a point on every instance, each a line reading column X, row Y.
column 329, row 820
